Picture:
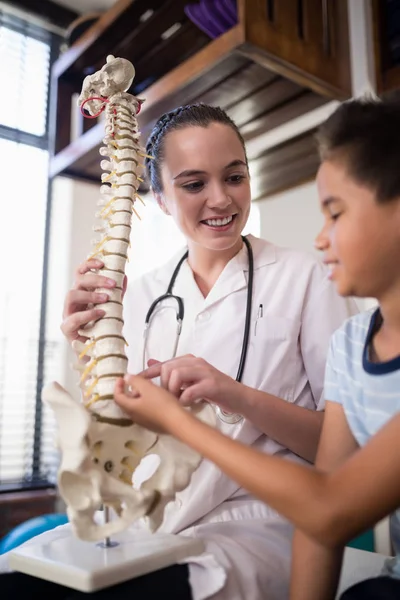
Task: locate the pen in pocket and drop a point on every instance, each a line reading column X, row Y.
column 259, row 316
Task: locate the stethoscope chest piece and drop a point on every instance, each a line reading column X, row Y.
column 227, row 417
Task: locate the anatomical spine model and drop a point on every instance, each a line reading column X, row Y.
column 100, row 446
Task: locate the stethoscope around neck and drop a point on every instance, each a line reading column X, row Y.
column 224, row 416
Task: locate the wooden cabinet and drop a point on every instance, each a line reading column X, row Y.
column 386, row 22
column 306, row 41
column 17, row 507
column 282, row 59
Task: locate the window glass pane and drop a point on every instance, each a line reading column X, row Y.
column 23, row 213
column 24, row 73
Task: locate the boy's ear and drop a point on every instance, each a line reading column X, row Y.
column 161, row 203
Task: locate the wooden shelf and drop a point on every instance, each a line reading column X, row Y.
column 265, row 71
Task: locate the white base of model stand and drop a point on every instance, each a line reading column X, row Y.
column 88, row 566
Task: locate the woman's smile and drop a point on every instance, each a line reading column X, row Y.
column 219, row 223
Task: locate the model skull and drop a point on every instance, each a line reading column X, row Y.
column 116, row 76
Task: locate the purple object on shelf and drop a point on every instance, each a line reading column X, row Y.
column 213, row 17
column 213, row 14
column 229, row 16
column 231, row 8
column 195, row 13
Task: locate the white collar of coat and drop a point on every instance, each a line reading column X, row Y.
column 233, row 278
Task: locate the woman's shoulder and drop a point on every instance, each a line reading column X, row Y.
column 285, row 256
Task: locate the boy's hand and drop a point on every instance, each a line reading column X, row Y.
column 192, row 379
column 147, row 404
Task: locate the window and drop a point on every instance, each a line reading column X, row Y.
column 26, row 428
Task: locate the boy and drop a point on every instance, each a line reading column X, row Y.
column 356, row 481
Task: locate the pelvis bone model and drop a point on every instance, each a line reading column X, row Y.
column 100, row 447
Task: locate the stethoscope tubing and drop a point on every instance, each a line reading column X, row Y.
column 224, row 416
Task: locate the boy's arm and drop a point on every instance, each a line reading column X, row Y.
column 316, row 568
column 330, row 507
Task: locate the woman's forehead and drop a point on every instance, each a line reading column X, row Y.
column 195, row 144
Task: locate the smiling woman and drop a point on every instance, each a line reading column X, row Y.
column 202, row 180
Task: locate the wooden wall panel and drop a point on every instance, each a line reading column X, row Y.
column 285, row 166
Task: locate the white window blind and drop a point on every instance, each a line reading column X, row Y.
column 24, row 69
column 26, row 428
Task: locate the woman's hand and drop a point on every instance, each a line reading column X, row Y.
column 148, row 404
column 192, row 379
column 80, row 303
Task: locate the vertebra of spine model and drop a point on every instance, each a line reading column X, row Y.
column 105, row 347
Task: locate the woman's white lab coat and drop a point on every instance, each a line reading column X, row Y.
column 248, row 544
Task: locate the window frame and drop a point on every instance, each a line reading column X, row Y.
column 37, row 479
